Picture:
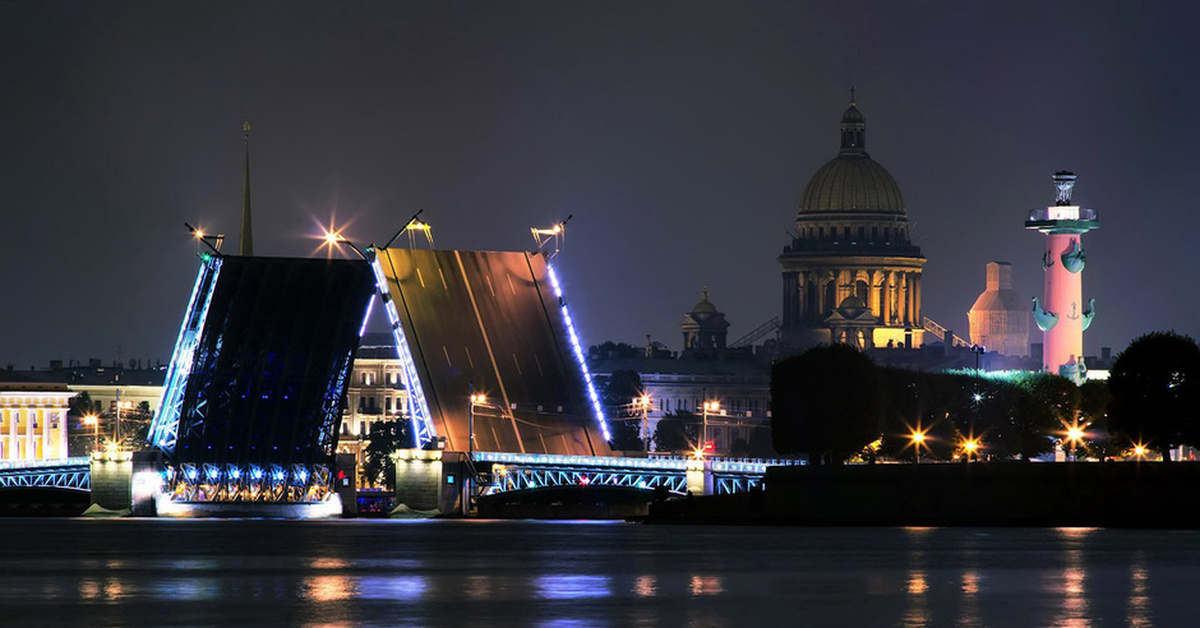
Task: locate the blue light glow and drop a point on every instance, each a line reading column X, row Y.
column 164, row 429
column 579, row 357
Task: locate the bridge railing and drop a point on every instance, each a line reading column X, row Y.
column 76, row 461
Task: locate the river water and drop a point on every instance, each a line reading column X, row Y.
column 121, row 572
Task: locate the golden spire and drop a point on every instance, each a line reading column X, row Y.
column 246, row 241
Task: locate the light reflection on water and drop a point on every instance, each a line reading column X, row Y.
column 571, row 586
column 447, row 573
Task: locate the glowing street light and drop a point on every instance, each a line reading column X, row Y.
column 1075, row 433
column 643, row 403
column 709, row 406
column 477, row 399
column 93, row 421
column 918, row 438
column 971, row 447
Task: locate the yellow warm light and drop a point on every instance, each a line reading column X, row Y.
column 89, row 419
column 971, row 445
column 698, row 453
column 712, row 406
column 199, row 234
column 1139, row 451
column 1074, row 433
column 332, row 237
column 478, row 399
column 918, row 437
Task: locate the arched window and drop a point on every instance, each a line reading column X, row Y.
column 860, row 290
column 830, row 295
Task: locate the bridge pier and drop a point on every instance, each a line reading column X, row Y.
column 432, row 480
column 699, row 475
column 125, row 481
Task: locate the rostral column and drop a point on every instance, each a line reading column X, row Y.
column 1063, row 316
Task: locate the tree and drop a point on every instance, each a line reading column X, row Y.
column 82, row 405
column 678, row 431
column 826, row 403
column 385, row 437
column 617, row 394
column 609, row 349
column 1155, row 387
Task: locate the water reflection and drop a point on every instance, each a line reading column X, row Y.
column 1138, row 609
column 329, row 588
column 408, row 588
column 916, row 584
column 706, row 585
column 645, row 586
column 571, row 586
column 1074, row 612
column 969, row 609
column 478, row 587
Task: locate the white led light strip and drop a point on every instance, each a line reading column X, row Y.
column 587, row 376
column 419, row 408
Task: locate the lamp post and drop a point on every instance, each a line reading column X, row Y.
column 971, row 447
column 918, row 438
column 1074, row 433
column 121, row 405
column 476, row 399
column 643, row 403
column 709, row 406
column 93, row 421
column 978, row 350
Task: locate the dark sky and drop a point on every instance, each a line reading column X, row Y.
column 680, row 135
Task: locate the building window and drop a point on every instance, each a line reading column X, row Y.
column 861, row 233
column 388, row 404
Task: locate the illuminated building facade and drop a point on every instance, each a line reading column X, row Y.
column 374, row 392
column 33, row 421
column 999, row 319
column 851, row 273
column 1063, row 316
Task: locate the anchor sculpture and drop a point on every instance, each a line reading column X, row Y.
column 1045, row 320
column 1074, row 259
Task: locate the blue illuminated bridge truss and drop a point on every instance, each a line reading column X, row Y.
column 518, row 472
column 65, row 473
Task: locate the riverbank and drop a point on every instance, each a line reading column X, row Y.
column 1125, row 494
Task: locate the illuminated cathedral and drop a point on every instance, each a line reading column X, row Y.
column 851, row 273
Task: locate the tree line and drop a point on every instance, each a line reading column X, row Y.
column 833, row 404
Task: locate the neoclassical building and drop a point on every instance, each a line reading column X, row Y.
column 851, row 273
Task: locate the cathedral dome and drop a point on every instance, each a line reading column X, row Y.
column 852, row 183
column 704, row 306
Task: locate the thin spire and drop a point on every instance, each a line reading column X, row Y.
column 246, row 241
column 852, row 103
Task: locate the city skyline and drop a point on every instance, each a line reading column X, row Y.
column 680, row 136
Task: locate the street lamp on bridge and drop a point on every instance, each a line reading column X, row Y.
column 643, row 403
column 715, row 408
column 93, row 421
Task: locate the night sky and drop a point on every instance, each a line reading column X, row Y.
column 679, row 135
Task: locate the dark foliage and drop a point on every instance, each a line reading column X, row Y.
column 678, row 432
column 1155, row 387
column 385, row 437
column 617, row 393
column 826, row 403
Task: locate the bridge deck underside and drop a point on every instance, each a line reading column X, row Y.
column 263, row 378
column 491, row 319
